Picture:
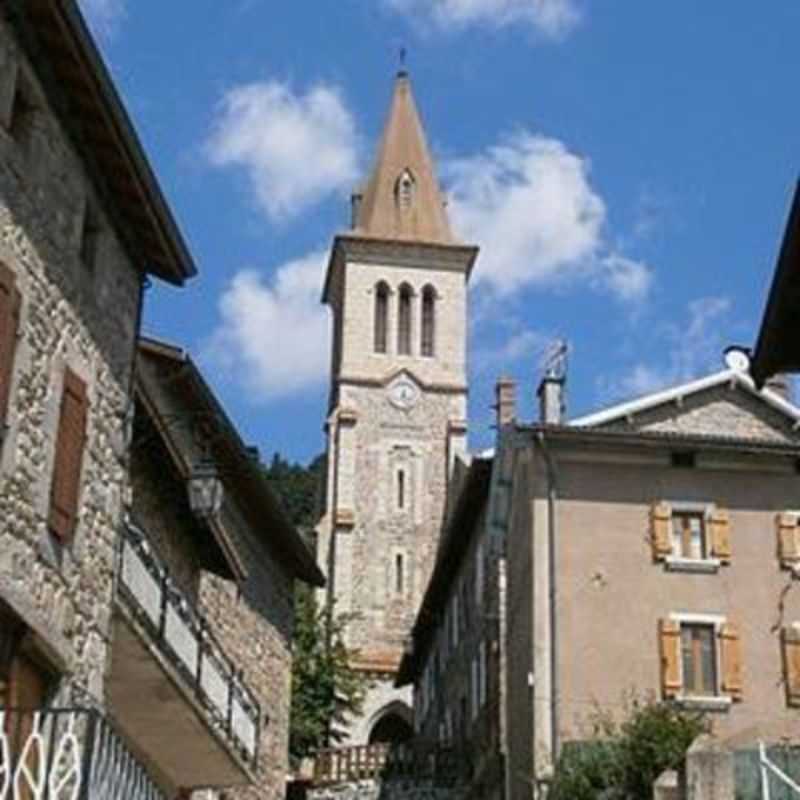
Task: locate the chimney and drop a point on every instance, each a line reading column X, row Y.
column 505, row 406
column 551, row 399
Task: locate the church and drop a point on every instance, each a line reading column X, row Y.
column 397, row 285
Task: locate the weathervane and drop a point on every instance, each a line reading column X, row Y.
column 403, row 53
column 555, row 360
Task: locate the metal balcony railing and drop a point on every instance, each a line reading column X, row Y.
column 183, row 635
column 68, row 754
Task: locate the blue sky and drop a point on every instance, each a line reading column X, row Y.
column 626, row 168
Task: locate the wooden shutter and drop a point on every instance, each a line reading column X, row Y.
column 65, row 487
column 730, row 649
column 10, row 305
column 788, row 550
column 660, row 530
column 720, row 535
column 669, row 634
column 790, row 639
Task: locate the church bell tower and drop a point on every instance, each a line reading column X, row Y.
column 397, row 286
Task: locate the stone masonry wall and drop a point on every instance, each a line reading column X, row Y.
column 252, row 621
column 62, row 593
column 254, row 625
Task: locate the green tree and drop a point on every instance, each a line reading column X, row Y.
column 326, row 690
column 622, row 761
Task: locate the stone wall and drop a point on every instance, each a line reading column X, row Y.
column 254, row 624
column 62, row 592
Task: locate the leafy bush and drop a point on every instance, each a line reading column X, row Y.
column 622, row 761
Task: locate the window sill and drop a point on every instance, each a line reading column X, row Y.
column 704, row 703
column 700, row 565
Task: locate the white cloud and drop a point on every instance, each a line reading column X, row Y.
column 294, row 148
column 553, row 18
column 273, row 335
column 693, row 348
column 529, row 204
column 103, row 16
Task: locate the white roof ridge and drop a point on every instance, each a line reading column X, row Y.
column 654, row 399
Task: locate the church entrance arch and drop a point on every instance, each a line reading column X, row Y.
column 391, row 725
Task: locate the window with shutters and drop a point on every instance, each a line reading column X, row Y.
column 693, row 537
column 787, row 525
column 10, row 306
column 427, row 341
column 790, row 646
column 404, row 320
column 381, row 324
column 70, row 440
column 701, row 662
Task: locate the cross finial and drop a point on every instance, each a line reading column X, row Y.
column 403, row 53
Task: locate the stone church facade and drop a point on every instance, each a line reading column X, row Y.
column 397, row 286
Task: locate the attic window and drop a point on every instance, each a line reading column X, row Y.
column 404, row 190
column 684, row 458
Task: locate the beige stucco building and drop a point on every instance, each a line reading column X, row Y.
column 651, row 549
column 397, row 287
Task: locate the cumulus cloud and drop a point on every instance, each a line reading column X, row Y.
column 103, row 16
column 531, row 206
column 294, row 148
column 273, row 334
column 553, row 18
column 693, row 347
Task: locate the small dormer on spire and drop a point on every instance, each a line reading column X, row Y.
column 402, row 198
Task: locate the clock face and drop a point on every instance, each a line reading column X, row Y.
column 403, row 394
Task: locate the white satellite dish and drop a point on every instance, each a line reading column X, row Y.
column 737, row 359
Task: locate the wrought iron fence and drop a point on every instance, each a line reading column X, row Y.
column 68, row 754
column 184, row 636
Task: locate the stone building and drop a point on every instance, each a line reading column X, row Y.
column 651, row 548
column 82, row 226
column 397, row 286
column 456, row 656
column 201, row 661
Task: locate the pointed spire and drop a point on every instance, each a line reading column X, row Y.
column 402, row 199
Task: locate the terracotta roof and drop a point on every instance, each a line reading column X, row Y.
column 83, row 95
column 385, row 211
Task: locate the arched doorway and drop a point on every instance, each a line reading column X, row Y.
column 392, row 725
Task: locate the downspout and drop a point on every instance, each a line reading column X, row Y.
column 552, row 498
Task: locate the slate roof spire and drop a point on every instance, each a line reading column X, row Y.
column 402, row 198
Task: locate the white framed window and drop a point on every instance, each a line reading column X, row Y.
column 701, row 662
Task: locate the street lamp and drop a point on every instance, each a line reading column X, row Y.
column 205, row 489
